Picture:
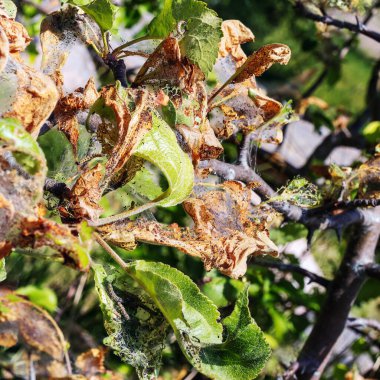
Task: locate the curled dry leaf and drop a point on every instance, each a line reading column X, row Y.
column 166, row 66
column 246, row 109
column 126, row 118
column 50, row 240
column 190, row 119
column 17, row 35
column 25, row 94
column 24, row 323
column 67, row 108
column 224, row 235
column 241, row 105
column 85, row 195
column 235, row 33
column 261, row 60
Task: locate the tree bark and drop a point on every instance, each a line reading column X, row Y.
column 341, row 296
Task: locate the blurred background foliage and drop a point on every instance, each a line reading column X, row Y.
column 284, row 305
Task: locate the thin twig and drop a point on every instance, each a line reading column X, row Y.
column 342, row 54
column 364, row 323
column 110, row 251
column 283, row 267
column 341, row 24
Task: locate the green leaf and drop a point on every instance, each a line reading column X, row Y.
column 371, row 132
column 137, row 337
column 245, row 350
column 9, row 8
column 200, row 42
column 59, row 154
column 22, row 145
column 144, row 183
column 43, row 297
column 84, row 142
column 159, row 146
column 288, row 233
column 222, row 290
column 3, row 271
column 195, row 320
column 103, row 12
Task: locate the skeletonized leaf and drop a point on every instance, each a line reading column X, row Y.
column 136, row 329
column 68, row 107
column 49, row 240
column 224, row 235
column 233, row 349
column 126, row 118
column 261, row 60
column 187, row 112
column 203, row 30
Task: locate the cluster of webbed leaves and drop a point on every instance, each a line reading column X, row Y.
column 167, row 119
column 129, row 139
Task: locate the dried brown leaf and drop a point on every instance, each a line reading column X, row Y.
column 245, row 109
column 224, row 233
column 34, row 98
column 91, row 362
column 86, row 194
column 261, row 60
column 197, row 136
column 23, row 322
column 166, row 66
column 17, row 35
column 235, row 33
column 69, row 106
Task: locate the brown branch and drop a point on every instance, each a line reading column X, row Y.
column 291, row 268
column 239, row 173
column 314, row 219
column 340, row 297
column 358, row 27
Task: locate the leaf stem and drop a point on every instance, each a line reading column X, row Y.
column 119, row 49
column 123, row 215
column 105, row 43
column 110, row 251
